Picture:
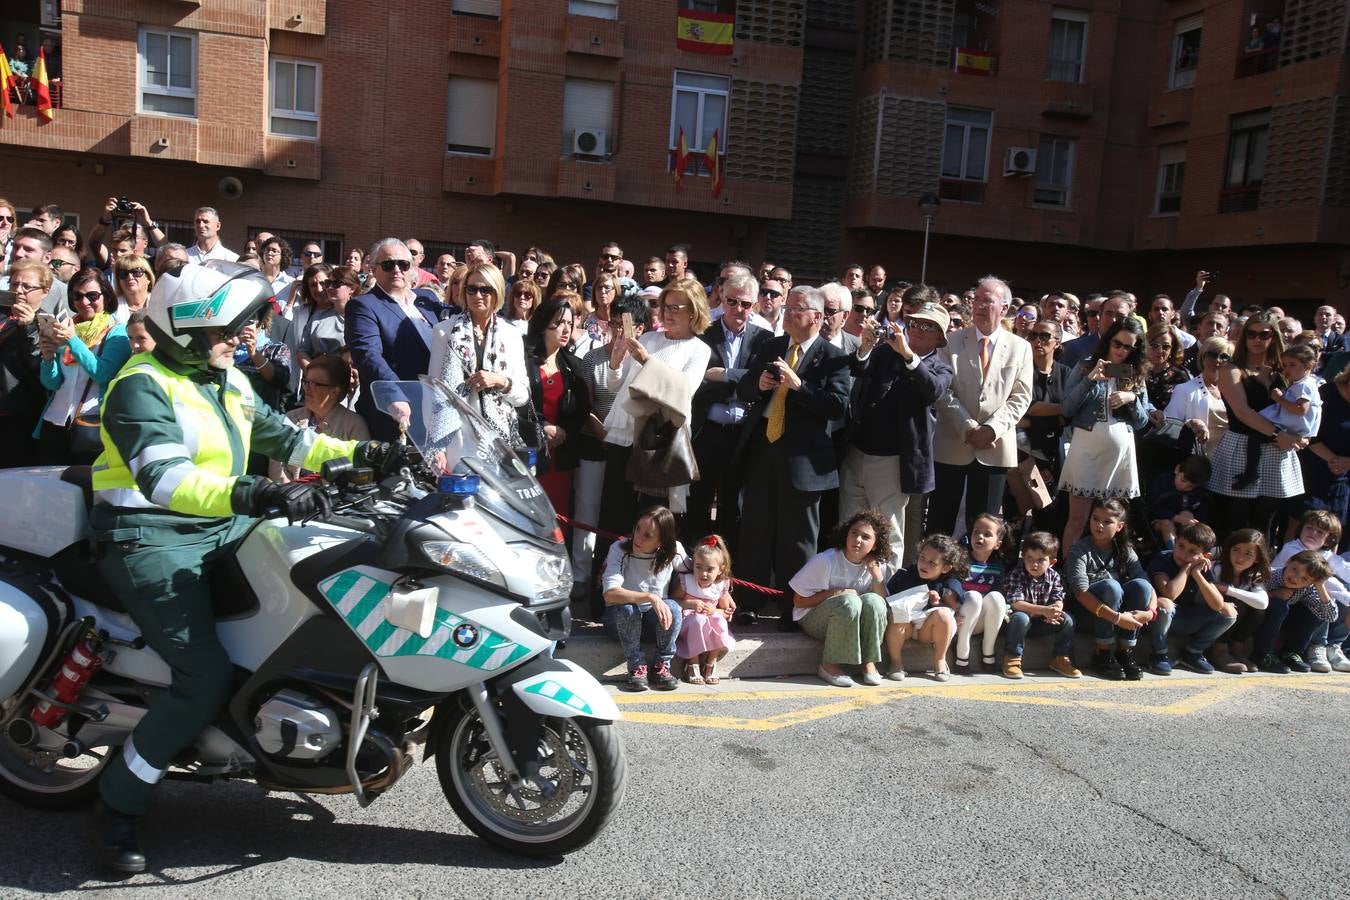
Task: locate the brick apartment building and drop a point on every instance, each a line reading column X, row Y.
column 1082, row 145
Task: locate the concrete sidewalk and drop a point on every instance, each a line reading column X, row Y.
column 764, row 652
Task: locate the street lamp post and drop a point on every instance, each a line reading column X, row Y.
column 928, row 205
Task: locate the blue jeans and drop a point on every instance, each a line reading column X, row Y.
column 1199, row 624
column 629, row 623
column 1021, row 624
column 1334, row 633
column 1133, row 596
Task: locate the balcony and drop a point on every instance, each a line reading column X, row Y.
column 1258, row 62
column 1066, row 100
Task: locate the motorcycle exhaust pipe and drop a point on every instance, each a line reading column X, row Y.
column 22, row 732
column 73, row 749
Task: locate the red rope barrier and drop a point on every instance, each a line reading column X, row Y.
column 609, row 535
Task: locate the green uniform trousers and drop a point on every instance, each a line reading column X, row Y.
column 161, row 567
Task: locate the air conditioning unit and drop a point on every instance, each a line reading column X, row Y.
column 588, row 142
column 1019, row 161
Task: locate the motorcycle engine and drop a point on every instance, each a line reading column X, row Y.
column 290, row 725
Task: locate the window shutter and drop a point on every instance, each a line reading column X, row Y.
column 491, row 8
column 588, row 105
column 473, row 116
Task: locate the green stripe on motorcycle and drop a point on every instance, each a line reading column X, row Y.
column 556, row 692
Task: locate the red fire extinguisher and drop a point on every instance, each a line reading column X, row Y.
column 75, row 672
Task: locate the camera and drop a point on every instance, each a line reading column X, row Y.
column 774, row 374
column 882, row 330
column 124, row 209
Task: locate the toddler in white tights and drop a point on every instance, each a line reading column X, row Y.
column 983, row 607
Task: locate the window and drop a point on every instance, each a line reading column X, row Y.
column 485, row 9
column 295, row 98
column 473, row 116
column 1068, row 45
column 1247, row 138
column 1171, row 175
column 1185, row 53
column 965, row 154
column 1054, row 172
column 167, row 63
column 587, row 106
column 331, row 244
column 597, row 9
column 699, row 106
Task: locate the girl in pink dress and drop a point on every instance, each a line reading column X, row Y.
column 705, row 594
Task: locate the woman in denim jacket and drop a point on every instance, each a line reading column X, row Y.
column 1106, row 401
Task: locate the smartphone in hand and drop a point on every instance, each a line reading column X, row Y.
column 629, row 330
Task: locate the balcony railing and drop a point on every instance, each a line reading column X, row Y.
column 1258, row 62
column 1240, row 199
column 23, row 91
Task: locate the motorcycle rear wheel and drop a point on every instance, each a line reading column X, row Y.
column 48, row 780
column 583, row 774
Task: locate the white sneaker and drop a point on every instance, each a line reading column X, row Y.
column 871, row 679
column 896, row 674
column 1316, row 659
column 839, row 680
column 1336, row 656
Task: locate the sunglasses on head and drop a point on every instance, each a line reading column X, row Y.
column 390, row 265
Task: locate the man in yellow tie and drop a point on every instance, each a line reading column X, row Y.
column 794, row 385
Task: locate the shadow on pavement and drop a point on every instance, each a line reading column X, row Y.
column 231, row 830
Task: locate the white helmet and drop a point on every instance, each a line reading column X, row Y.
column 188, row 301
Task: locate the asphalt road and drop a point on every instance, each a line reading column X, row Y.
column 1188, row 787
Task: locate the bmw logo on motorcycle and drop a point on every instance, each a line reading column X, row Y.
column 466, row 635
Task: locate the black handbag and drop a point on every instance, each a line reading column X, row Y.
column 84, row 437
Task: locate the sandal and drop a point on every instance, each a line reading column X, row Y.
column 691, row 674
column 710, row 674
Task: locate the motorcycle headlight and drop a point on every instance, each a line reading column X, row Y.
column 465, row 559
column 552, row 573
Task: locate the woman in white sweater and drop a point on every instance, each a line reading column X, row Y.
column 683, row 311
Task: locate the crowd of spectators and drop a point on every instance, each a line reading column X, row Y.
column 884, row 461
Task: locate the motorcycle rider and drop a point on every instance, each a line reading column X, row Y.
column 172, row 502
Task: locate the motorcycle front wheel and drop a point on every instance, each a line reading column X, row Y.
column 581, row 781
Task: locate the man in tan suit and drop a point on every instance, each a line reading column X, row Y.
column 975, row 443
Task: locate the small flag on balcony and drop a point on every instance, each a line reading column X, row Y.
column 975, row 62
column 681, row 158
column 714, row 166
column 42, row 88
column 705, row 32
column 6, row 76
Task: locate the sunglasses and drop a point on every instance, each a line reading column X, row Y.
column 6, row 218
column 675, row 307
column 831, row 313
column 610, row 256
column 1219, row 357
column 88, row 296
column 137, row 272
column 770, row 293
column 862, row 310
column 1161, row 345
column 541, row 277
column 479, row 290
column 310, row 253
column 739, row 304
column 1041, row 336
column 1261, row 335
column 58, row 263
column 1118, row 344
column 390, row 265
column 567, row 285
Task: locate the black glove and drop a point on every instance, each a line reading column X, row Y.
column 296, row 500
column 386, row 459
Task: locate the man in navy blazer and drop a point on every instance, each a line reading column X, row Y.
column 889, row 461
column 389, row 331
column 718, row 413
column 784, row 475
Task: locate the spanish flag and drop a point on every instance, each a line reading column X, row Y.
column 681, row 158
column 975, row 62
column 6, row 76
column 42, row 88
column 714, row 166
column 705, row 32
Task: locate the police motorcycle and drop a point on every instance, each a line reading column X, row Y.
column 420, row 611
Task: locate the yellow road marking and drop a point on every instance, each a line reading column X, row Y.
column 1202, row 693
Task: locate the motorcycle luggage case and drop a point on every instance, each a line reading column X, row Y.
column 30, row 621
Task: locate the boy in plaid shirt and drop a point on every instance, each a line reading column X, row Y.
column 1299, row 602
column 1035, row 596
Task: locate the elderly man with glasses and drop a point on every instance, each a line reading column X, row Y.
column 795, row 385
column 389, row 330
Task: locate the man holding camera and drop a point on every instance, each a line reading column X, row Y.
column 132, row 232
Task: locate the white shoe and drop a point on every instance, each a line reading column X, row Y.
column 942, row 675
column 896, row 674
column 871, row 679
column 1317, row 659
column 840, row 680
column 1336, row 656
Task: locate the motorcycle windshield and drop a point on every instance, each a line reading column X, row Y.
column 456, row 440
